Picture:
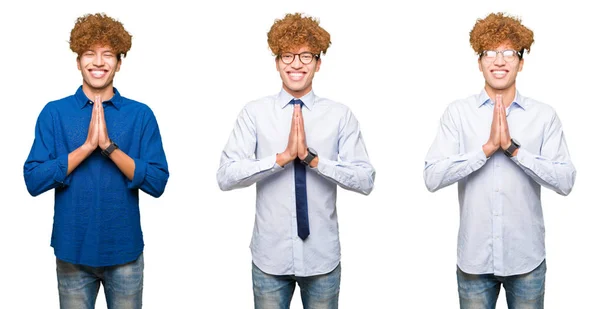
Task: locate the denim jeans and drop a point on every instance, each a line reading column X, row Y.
column 275, row 292
column 78, row 285
column 524, row 291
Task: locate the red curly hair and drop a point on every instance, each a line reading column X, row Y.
column 294, row 31
column 99, row 29
column 498, row 28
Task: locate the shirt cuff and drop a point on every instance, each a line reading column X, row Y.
column 62, row 167
column 480, row 156
column 139, row 174
column 269, row 163
column 521, row 158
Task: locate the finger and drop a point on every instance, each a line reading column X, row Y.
column 94, row 120
column 296, row 124
column 294, row 114
column 300, row 121
column 502, row 113
column 98, row 107
column 500, row 109
column 101, row 113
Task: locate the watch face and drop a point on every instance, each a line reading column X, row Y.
column 312, row 151
column 516, row 142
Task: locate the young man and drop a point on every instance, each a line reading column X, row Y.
column 297, row 147
column 96, row 148
column 500, row 147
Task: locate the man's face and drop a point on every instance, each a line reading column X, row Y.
column 98, row 66
column 499, row 73
column 297, row 76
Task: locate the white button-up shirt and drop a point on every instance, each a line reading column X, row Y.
column 501, row 221
column 261, row 131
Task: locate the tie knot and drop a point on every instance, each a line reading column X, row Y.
column 297, row 101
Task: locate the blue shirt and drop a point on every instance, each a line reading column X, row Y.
column 96, row 208
column 261, row 131
column 501, row 221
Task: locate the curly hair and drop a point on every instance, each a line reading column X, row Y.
column 294, row 31
column 498, row 28
column 94, row 29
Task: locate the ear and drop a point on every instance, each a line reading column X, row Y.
column 521, row 62
column 78, row 64
column 118, row 66
column 277, row 63
column 318, row 66
column 480, row 66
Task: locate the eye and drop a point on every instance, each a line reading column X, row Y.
column 306, row 56
column 490, row 53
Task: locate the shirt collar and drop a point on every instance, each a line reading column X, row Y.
column 82, row 99
column 483, row 99
column 284, row 98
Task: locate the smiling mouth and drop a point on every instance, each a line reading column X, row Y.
column 296, row 76
column 499, row 73
column 98, row 73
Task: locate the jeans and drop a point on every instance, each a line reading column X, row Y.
column 275, row 292
column 524, row 291
column 78, row 285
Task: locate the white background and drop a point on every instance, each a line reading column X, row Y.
column 397, row 67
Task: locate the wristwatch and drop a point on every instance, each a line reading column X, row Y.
column 112, row 147
column 514, row 145
column 310, row 156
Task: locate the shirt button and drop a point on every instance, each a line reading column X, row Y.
column 497, row 189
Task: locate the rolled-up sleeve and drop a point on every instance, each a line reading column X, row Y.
column 44, row 169
column 151, row 170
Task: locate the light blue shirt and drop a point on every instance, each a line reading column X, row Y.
column 501, row 221
column 261, row 131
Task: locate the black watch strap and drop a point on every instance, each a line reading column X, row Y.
column 514, row 145
column 112, row 147
column 310, row 155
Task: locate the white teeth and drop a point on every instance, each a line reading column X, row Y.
column 296, row 76
column 97, row 73
column 499, row 73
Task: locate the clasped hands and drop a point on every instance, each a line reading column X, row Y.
column 97, row 132
column 499, row 133
column 296, row 147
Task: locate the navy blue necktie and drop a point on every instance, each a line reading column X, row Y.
column 301, row 197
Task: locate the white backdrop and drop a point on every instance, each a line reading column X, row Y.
column 397, row 67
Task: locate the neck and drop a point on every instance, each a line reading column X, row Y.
column 106, row 93
column 508, row 94
column 297, row 94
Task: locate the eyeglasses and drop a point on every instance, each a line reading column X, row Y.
column 305, row 57
column 509, row 55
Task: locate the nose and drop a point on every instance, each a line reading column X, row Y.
column 98, row 60
column 296, row 63
column 499, row 59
